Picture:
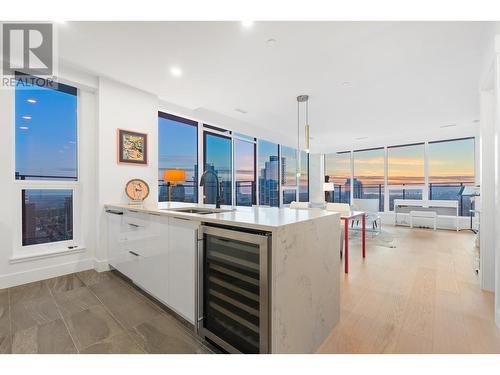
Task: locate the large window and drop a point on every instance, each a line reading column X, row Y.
column 268, row 173
column 244, row 172
column 405, row 172
column 177, row 150
column 451, row 166
column 46, row 154
column 217, row 156
column 46, row 132
column 368, row 180
column 47, row 216
column 288, row 174
column 338, row 172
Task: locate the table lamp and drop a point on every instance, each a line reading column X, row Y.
column 172, row 177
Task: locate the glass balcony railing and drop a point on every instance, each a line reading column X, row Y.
column 245, row 193
column 437, row 191
column 451, row 192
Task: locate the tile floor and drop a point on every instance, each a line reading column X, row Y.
column 89, row 312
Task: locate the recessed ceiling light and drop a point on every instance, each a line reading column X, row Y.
column 176, row 71
column 241, row 111
column 32, row 101
column 360, row 138
column 448, row 126
column 23, row 128
column 271, row 42
column 247, row 24
column 25, row 117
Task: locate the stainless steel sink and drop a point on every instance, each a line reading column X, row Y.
column 199, row 211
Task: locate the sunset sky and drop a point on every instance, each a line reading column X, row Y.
column 449, row 162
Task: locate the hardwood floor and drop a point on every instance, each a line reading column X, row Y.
column 421, row 297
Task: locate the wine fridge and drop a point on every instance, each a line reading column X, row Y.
column 232, row 288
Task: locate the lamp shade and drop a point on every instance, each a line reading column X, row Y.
column 174, row 175
column 328, row 186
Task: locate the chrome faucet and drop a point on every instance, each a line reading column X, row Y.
column 218, row 194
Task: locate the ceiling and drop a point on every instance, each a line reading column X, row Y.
column 366, row 80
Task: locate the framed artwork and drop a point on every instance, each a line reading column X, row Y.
column 132, row 147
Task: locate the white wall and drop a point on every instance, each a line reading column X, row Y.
column 316, row 178
column 33, row 269
column 123, row 107
column 487, row 183
column 496, row 174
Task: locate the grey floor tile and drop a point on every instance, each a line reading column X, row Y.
column 48, row 338
column 64, row 283
column 90, row 326
column 32, row 312
column 28, row 292
column 164, row 335
column 118, row 344
column 4, row 313
column 91, row 277
column 5, row 344
column 129, row 306
column 76, row 300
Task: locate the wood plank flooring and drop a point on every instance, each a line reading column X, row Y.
column 421, row 297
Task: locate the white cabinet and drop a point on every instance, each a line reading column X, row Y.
column 158, row 254
column 119, row 255
column 151, row 245
column 181, row 266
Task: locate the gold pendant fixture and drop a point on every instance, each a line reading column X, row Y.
column 302, row 99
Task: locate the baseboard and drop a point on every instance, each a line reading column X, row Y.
column 101, row 265
column 37, row 274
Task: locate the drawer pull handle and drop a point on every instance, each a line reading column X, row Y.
column 114, row 212
column 134, row 253
column 134, row 225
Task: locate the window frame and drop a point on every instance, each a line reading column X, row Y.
column 424, row 187
column 207, row 131
column 185, row 121
column 246, row 139
column 76, row 244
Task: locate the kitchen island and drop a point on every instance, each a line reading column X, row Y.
column 302, row 266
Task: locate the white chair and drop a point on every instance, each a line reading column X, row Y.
column 342, row 208
column 299, row 205
column 370, row 206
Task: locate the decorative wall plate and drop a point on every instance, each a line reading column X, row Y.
column 137, row 190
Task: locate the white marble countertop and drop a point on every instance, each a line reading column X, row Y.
column 262, row 218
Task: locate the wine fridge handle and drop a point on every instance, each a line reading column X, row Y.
column 199, row 284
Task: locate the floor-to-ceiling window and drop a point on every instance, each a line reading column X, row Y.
column 338, row 172
column 451, row 166
column 217, row 157
column 268, row 165
column 288, row 174
column 46, row 155
column 368, row 182
column 405, row 172
column 177, row 152
column 304, row 177
column 244, row 171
